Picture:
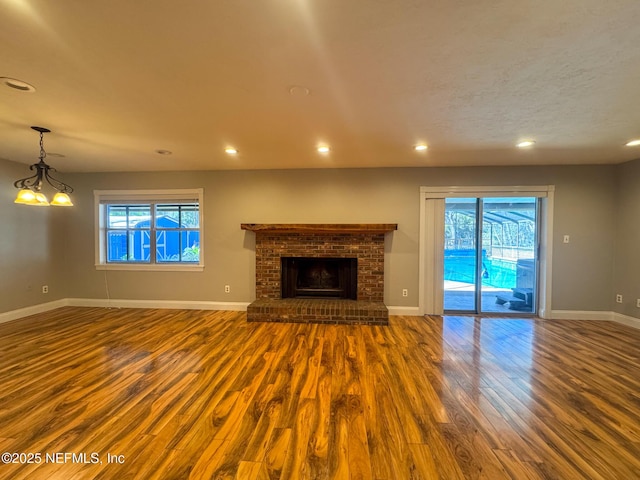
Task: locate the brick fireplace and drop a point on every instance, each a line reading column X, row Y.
column 362, row 244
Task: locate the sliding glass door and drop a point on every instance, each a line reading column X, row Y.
column 461, row 254
column 490, row 254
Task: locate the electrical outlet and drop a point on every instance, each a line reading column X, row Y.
column 618, row 298
column 405, row 292
column 45, row 289
column 227, row 289
column 638, row 302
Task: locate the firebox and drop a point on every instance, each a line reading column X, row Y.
column 311, row 277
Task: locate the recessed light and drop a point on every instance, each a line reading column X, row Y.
column 18, row 84
column 525, row 144
column 324, row 149
column 231, row 150
column 298, row 91
column 633, row 143
column 420, row 147
column 164, row 152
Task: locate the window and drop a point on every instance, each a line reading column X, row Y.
column 141, row 230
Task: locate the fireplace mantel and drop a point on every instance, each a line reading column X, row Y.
column 314, row 228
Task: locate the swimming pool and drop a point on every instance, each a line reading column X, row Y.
column 459, row 266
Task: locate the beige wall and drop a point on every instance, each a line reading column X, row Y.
column 584, row 202
column 31, row 246
column 626, row 271
column 37, row 245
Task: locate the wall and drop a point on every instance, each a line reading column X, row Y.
column 582, row 270
column 626, row 270
column 31, row 246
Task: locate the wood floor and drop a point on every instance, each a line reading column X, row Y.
column 123, row 394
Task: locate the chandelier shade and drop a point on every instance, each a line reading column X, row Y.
column 30, row 187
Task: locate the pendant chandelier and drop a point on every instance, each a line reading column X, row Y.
column 30, row 187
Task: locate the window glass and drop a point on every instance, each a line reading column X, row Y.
column 170, row 231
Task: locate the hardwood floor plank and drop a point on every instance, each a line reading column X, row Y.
column 210, row 460
column 424, row 461
column 339, row 461
column 252, row 471
column 320, row 437
column 515, row 467
column 359, row 456
column 311, row 380
column 191, row 394
column 297, row 464
column 388, row 445
column 267, row 409
column 557, row 455
column 277, row 452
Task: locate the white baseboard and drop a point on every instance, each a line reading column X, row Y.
column 589, row 315
column 115, row 303
column 580, row 315
column 32, row 310
column 170, row 304
column 626, row 320
column 409, row 311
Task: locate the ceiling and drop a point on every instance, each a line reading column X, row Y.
column 116, row 81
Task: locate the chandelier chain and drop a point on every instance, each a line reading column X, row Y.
column 43, row 154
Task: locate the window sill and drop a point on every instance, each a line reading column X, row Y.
column 150, row 268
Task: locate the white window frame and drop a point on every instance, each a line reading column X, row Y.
column 104, row 197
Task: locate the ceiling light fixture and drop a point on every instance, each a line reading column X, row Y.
column 525, row 144
column 324, row 149
column 231, row 151
column 18, row 84
column 421, row 147
column 30, row 187
column 633, row 143
column 299, row 91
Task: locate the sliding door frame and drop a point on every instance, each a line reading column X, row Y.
column 430, row 284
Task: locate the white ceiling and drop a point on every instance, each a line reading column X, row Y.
column 117, row 80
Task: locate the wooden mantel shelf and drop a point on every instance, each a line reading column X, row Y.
column 361, row 228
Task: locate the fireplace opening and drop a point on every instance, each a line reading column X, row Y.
column 310, row 277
